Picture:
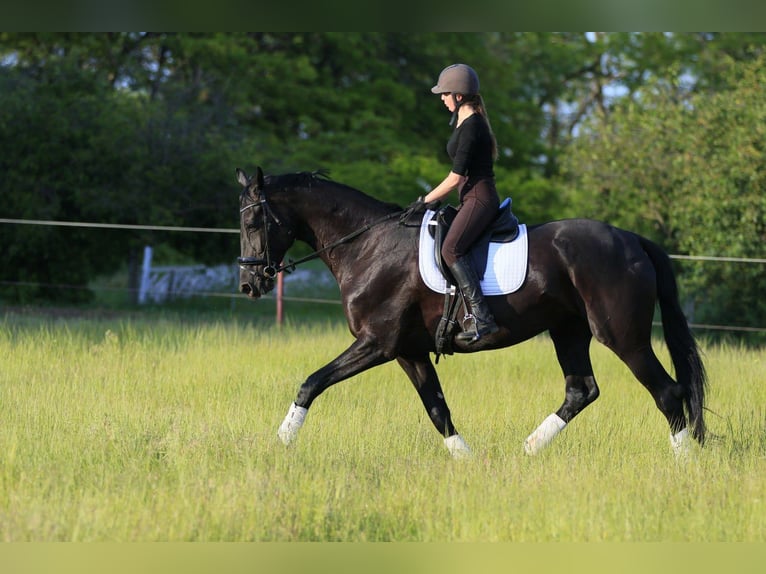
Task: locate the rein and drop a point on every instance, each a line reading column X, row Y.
column 270, row 270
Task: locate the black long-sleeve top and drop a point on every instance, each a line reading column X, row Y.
column 470, row 148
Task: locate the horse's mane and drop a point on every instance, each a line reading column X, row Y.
column 297, row 179
column 317, row 177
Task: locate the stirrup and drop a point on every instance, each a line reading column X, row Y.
column 471, row 334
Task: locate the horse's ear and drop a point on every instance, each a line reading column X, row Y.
column 242, row 178
column 258, row 178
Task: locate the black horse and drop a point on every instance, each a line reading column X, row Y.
column 585, row 279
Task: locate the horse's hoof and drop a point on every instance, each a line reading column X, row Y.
column 544, row 434
column 288, row 430
column 681, row 445
column 457, row 447
column 286, row 434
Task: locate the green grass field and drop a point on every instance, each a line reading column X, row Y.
column 155, row 429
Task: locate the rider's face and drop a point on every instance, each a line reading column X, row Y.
column 449, row 101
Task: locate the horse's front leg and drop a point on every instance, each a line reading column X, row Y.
column 360, row 356
column 423, row 376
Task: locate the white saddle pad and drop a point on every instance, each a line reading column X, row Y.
column 506, row 263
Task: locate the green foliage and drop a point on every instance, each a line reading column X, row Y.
column 689, row 173
column 46, row 127
column 147, row 128
column 536, row 199
column 74, row 150
column 724, row 197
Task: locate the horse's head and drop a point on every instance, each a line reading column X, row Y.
column 263, row 236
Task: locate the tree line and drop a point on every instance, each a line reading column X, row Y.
column 659, row 133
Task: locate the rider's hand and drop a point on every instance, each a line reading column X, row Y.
column 418, row 206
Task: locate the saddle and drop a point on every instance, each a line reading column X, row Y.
column 504, row 229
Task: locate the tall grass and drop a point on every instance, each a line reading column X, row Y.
column 155, row 430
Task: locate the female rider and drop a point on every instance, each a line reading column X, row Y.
column 472, row 148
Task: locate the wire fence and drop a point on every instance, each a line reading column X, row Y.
column 95, row 225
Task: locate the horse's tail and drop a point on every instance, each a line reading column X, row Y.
column 687, row 362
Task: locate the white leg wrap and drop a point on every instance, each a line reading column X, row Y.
column 288, row 430
column 457, row 447
column 544, row 434
column 680, row 442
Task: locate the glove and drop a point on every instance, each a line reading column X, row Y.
column 433, row 205
column 417, row 207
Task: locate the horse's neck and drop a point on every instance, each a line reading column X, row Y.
column 327, row 218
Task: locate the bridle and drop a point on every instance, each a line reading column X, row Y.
column 270, row 270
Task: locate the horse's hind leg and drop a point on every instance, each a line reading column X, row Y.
column 572, row 345
column 667, row 394
column 423, row 376
column 634, row 347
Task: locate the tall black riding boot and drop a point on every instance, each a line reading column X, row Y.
column 469, row 285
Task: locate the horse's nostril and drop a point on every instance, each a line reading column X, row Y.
column 245, row 288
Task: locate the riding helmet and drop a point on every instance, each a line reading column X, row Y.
column 458, row 79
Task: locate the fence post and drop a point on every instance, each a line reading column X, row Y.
column 146, row 267
column 280, row 297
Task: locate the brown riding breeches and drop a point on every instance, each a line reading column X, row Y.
column 478, row 207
